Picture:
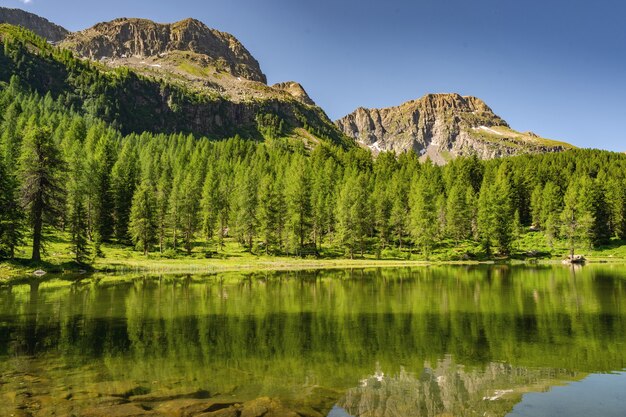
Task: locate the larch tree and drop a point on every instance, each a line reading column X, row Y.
column 423, row 215
column 76, row 199
column 353, row 213
column 124, row 178
column 143, row 225
column 298, row 196
column 42, row 191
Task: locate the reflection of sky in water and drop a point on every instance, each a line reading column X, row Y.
column 597, row 395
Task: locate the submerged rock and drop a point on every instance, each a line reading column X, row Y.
column 171, row 394
column 191, row 407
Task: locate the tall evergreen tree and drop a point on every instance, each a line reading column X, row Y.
column 102, row 205
column 399, row 216
column 190, row 209
column 495, row 211
column 268, row 213
column 42, row 191
column 616, row 200
column 458, row 212
column 298, row 196
column 143, row 225
column 382, row 206
column 245, row 208
column 551, row 206
column 76, row 201
column 424, row 224
column 163, row 191
column 577, row 218
column 124, row 177
column 353, row 213
column 11, row 214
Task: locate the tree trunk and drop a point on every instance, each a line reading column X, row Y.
column 37, row 226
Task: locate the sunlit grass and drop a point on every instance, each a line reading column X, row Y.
column 234, row 257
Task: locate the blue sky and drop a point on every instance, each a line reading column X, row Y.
column 556, row 67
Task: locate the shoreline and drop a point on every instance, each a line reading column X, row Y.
column 12, row 271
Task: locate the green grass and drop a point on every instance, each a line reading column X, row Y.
column 233, row 257
column 515, row 139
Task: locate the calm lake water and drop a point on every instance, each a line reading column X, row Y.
column 438, row 341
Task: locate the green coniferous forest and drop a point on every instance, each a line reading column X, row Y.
column 75, row 166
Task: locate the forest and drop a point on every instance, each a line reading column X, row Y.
column 176, row 194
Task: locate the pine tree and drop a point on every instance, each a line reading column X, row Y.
column 101, row 147
column 174, row 209
column 298, row 196
column 616, row 200
column 124, row 179
column 458, row 212
column 268, row 213
column 322, row 200
column 76, row 204
column 245, row 208
column 495, row 211
column 163, row 191
column 210, row 204
column 382, row 206
column 190, row 209
column 79, row 230
column 503, row 211
column 42, row 192
column 423, row 217
column 352, row 213
column 576, row 218
column 399, row 216
column 11, row 214
column 11, row 137
column 551, row 206
column 536, row 206
column 143, row 226
column 215, row 205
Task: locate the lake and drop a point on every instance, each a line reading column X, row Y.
column 429, row 341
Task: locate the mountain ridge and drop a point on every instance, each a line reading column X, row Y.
column 441, row 127
column 40, row 25
column 209, row 62
column 122, row 38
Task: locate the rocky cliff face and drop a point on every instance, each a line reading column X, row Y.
column 441, row 127
column 295, row 90
column 32, row 22
column 141, row 38
column 187, row 52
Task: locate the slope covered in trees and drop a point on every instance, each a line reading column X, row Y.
column 134, row 103
column 183, row 194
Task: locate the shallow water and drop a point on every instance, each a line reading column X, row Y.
column 432, row 341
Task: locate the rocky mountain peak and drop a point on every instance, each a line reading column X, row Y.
column 296, row 90
column 441, row 127
column 125, row 38
column 34, row 23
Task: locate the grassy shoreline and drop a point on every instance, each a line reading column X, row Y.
column 22, row 269
column 121, row 259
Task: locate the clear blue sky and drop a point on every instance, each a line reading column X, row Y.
column 554, row 67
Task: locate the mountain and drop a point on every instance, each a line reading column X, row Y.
column 166, row 78
column 186, row 77
column 186, row 53
column 39, row 25
column 126, row 40
column 441, row 127
column 449, row 389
